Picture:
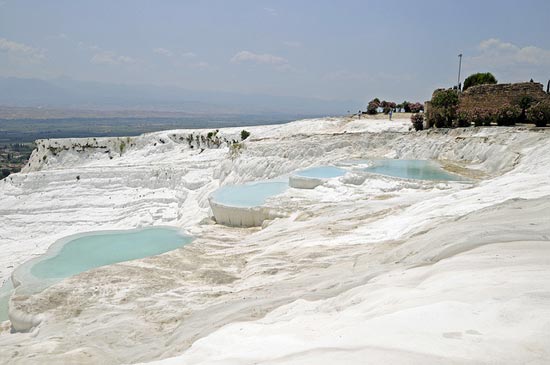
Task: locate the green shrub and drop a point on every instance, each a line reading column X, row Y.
column 432, row 117
column 235, row 149
column 445, row 99
column 524, row 103
column 122, row 147
column 438, row 119
column 480, row 78
column 539, row 114
column 444, row 105
column 244, row 135
column 462, row 120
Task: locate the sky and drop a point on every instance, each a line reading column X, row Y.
column 337, row 50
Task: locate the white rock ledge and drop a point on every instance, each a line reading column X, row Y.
column 242, row 216
column 303, row 182
column 22, row 321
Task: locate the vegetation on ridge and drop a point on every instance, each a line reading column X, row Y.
column 479, row 78
column 387, row 106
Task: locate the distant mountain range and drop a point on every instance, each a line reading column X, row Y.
column 66, row 93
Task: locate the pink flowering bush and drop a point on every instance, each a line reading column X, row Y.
column 373, row 106
column 508, row 115
column 418, row 121
column 387, row 106
column 416, row 107
column 478, row 116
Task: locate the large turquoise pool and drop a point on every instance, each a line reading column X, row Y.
column 100, row 249
column 79, row 253
column 248, row 195
column 412, row 169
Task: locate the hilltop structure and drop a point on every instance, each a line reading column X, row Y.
column 496, row 96
column 487, row 104
column 500, row 95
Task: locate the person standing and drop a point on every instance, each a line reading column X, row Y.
column 391, row 113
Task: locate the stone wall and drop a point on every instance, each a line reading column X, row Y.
column 499, row 95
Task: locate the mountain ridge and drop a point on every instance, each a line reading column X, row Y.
column 66, row 93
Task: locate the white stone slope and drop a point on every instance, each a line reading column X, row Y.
column 364, row 269
column 481, row 297
column 76, row 185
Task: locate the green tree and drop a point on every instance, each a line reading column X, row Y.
column 444, row 104
column 479, row 78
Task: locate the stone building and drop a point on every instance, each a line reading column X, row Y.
column 500, row 95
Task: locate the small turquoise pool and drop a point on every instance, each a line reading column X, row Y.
column 322, row 172
column 412, row 169
column 248, row 195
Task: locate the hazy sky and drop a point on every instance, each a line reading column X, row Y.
column 331, row 49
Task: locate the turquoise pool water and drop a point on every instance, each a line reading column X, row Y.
column 322, row 172
column 75, row 254
column 100, row 249
column 248, row 195
column 5, row 292
column 412, row 169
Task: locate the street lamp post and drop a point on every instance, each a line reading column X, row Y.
column 459, row 66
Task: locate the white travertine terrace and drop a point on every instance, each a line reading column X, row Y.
column 361, row 267
column 304, row 182
column 242, row 216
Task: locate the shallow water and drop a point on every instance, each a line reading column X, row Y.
column 248, row 195
column 100, row 249
column 322, row 172
column 412, row 169
column 79, row 253
column 5, row 292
